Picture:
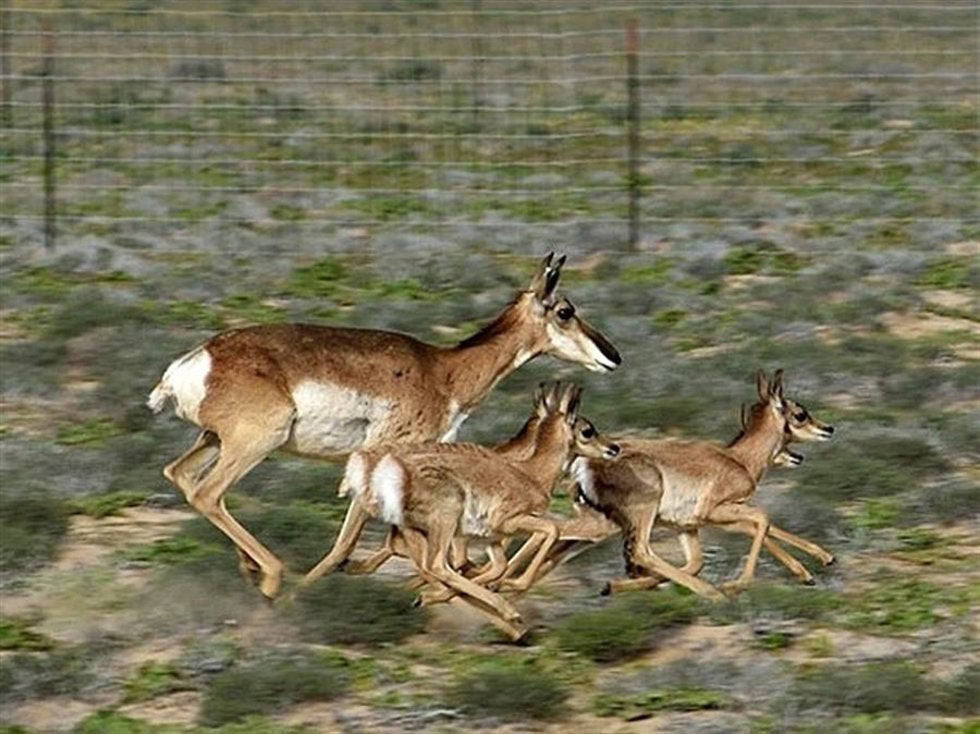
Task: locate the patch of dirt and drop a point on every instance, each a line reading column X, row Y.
column 179, row 708
column 967, row 248
column 48, row 714
column 923, row 324
column 93, row 540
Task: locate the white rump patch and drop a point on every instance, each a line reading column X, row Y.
column 582, row 473
column 186, row 382
column 388, row 485
column 355, row 480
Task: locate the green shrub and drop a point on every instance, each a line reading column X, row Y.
column 67, row 671
column 109, row 503
column 356, row 610
column 624, row 628
column 151, row 680
column 319, row 280
column 961, row 693
column 773, row 600
column 170, row 551
column 111, row 722
column 509, row 690
column 300, row 533
column 762, row 257
column 270, row 686
column 16, row 634
column 96, row 432
column 950, row 273
column 644, row 705
column 31, row 527
column 896, row 686
column 899, row 605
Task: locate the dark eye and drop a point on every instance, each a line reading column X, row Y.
column 566, row 312
column 800, row 417
column 588, row 432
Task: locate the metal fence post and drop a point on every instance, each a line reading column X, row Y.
column 47, row 102
column 633, row 130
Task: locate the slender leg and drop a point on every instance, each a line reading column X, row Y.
column 393, row 546
column 436, row 565
column 794, row 566
column 490, row 573
column 546, row 530
column 357, row 516
column 416, row 547
column 236, row 460
column 735, row 514
column 803, row 544
column 642, row 555
column 185, row 470
column 691, row 545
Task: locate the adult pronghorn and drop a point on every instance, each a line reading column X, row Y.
column 323, row 392
column 689, row 484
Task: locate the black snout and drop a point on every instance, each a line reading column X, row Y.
column 604, row 345
column 829, row 430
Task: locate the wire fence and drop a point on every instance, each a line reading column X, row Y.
column 487, row 119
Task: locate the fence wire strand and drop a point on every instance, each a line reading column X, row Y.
column 490, row 114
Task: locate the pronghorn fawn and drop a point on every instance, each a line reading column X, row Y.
column 437, row 492
column 323, row 392
column 360, row 510
column 590, row 525
column 686, row 485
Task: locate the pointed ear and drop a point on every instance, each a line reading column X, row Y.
column 554, row 275
column 539, row 280
column 541, row 401
column 570, row 402
column 553, row 398
column 545, row 281
column 776, row 388
column 762, row 385
column 744, row 417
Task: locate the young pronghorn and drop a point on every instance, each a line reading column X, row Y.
column 590, row 526
column 358, row 470
column 689, row 484
column 323, row 392
column 437, row 492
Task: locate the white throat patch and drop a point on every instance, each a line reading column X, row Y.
column 582, row 474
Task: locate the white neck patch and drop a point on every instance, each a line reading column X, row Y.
column 582, row 473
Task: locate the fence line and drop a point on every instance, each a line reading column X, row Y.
column 493, row 115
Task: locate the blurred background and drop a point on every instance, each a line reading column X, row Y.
column 737, row 185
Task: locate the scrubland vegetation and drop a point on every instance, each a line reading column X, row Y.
column 857, row 273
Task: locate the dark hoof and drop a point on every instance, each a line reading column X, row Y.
column 417, row 602
column 832, row 561
column 810, row 582
column 523, row 639
column 606, row 590
column 342, row 566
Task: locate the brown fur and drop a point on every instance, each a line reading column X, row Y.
column 387, row 387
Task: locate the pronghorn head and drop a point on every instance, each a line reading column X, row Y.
column 787, row 458
column 799, row 425
column 558, row 328
column 784, row 456
column 559, row 406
